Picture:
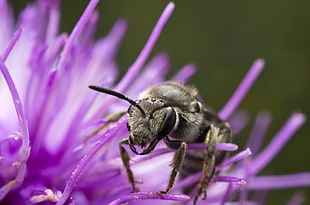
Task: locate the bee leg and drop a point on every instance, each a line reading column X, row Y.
column 208, row 165
column 224, row 136
column 207, row 173
column 113, row 117
column 176, row 164
column 125, row 159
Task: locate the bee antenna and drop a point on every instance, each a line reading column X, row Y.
column 116, row 94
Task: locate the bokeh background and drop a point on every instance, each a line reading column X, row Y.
column 224, row 38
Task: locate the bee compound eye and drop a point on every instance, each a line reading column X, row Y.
column 168, row 123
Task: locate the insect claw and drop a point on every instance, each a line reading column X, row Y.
column 135, row 190
column 204, row 194
column 161, row 193
column 195, row 200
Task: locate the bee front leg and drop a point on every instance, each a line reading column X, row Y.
column 176, row 164
column 113, row 117
column 125, row 159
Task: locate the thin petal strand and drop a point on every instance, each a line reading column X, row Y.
column 76, row 32
column 84, row 162
column 12, row 43
column 280, row 182
column 148, row 196
column 280, row 139
column 140, row 61
column 237, row 157
column 24, row 151
column 242, row 89
column 297, row 199
column 185, row 73
column 258, row 131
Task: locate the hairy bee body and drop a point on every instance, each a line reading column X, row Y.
column 174, row 113
column 193, row 124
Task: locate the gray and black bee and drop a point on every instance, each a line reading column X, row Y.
column 174, row 113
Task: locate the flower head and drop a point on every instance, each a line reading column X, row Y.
column 51, row 147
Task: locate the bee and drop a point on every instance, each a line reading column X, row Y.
column 174, row 113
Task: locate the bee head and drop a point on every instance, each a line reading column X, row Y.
column 150, row 120
column 148, row 128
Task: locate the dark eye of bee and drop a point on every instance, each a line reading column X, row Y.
column 167, row 123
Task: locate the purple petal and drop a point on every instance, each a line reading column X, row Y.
column 258, row 132
column 237, row 157
column 190, row 180
column 6, row 24
column 23, row 126
column 84, row 162
column 154, row 72
column 226, row 146
column 65, row 56
column 280, row 139
column 12, row 43
column 227, row 194
column 88, row 32
column 219, row 146
column 185, row 73
column 297, row 199
column 238, row 121
column 147, row 196
column 134, row 70
column 232, row 180
column 140, row 61
column 260, row 197
column 280, row 181
column 242, row 90
column 6, row 188
column 53, row 22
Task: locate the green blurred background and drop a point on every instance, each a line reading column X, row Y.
column 223, row 38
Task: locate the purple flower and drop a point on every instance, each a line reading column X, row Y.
column 51, row 151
